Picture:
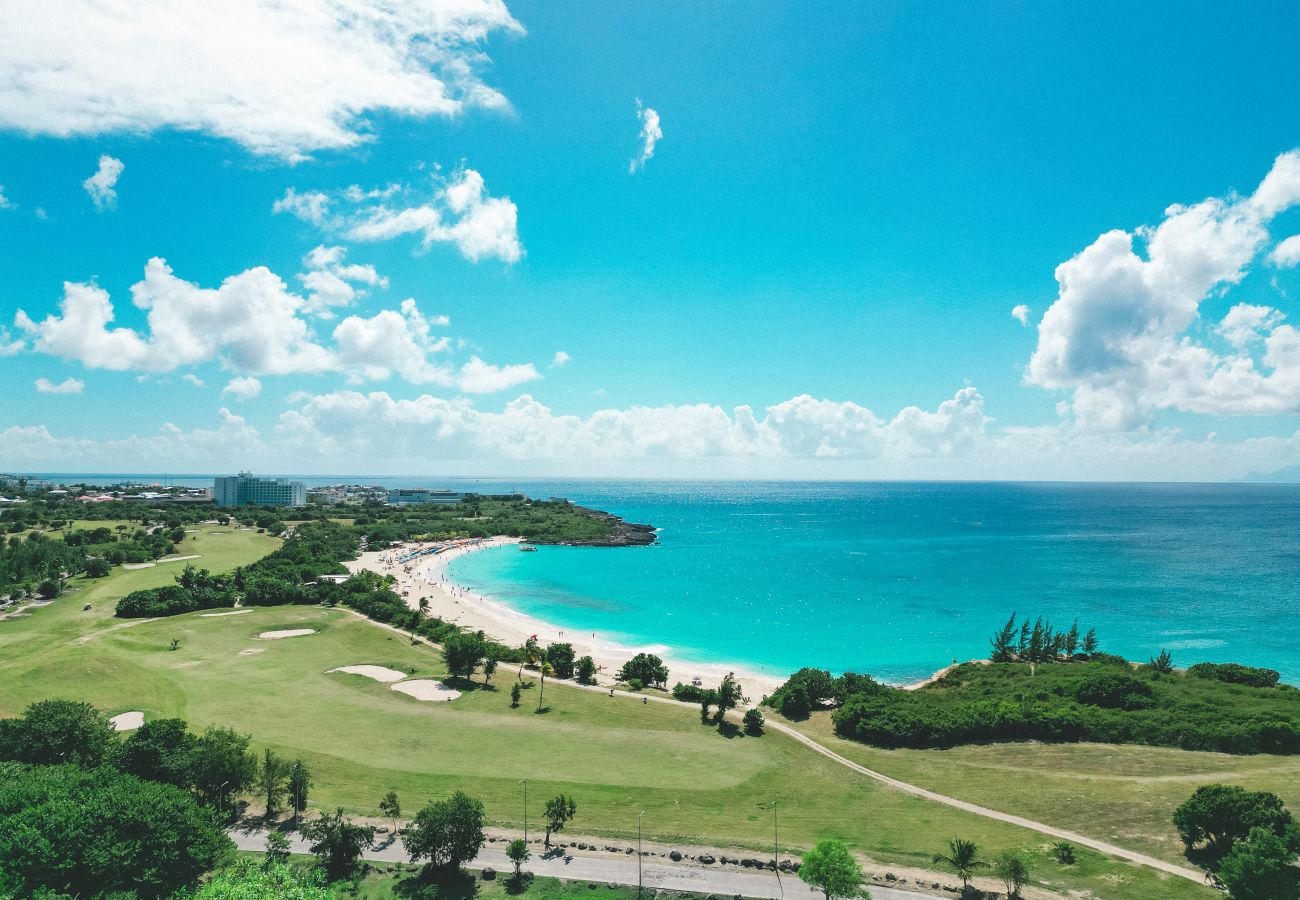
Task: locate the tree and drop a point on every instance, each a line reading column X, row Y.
column 159, row 750
column 1261, row 867
column 830, row 868
column 728, row 696
column 545, row 668
column 586, row 670
column 1011, row 867
column 1004, row 642
column 277, row 849
column 448, row 833
column 559, row 810
column 1072, row 639
column 531, row 653
column 338, row 843
column 58, row 731
column 795, row 703
column 489, row 667
column 561, row 657
column 391, row 807
column 518, row 852
column 221, row 766
column 1090, row 642
column 97, row 567
column 963, row 858
column 462, row 653
column 298, row 787
column 515, row 692
column 1162, row 664
column 271, row 776
column 647, row 668
column 1218, row 815
column 100, row 833
column 753, row 721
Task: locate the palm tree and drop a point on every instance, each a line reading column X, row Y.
column 531, row 654
column 963, row 859
column 546, row 669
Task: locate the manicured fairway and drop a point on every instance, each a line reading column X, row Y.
column 360, row 738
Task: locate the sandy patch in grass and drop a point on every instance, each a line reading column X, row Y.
column 427, row 689
column 286, row 633
column 378, row 673
column 127, row 721
column 133, row 566
column 249, row 651
column 233, row 612
column 180, row 558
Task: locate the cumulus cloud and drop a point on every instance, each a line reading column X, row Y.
column 331, row 282
column 67, row 386
column 5, row 202
column 650, row 135
column 102, row 186
column 1286, row 255
column 1021, row 314
column 282, row 78
column 192, row 379
column 9, row 345
column 459, row 211
column 1121, row 335
column 560, row 359
column 254, row 325
column 244, row 387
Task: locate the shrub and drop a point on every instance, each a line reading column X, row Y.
column 753, row 722
column 1113, row 690
column 1235, row 673
column 646, row 668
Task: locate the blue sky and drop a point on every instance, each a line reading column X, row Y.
column 846, row 203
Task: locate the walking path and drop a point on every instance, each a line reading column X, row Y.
column 697, row 879
column 1132, row 856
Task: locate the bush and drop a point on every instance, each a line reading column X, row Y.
column 1113, row 690
column 646, row 668
column 753, row 722
column 1235, row 673
column 634, row 684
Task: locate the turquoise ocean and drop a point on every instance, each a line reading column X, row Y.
column 897, row 579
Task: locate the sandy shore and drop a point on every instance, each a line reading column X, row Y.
column 426, row 577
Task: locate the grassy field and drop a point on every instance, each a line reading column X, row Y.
column 1124, row 794
column 360, row 738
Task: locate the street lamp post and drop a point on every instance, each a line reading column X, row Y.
column 638, row 852
column 221, row 797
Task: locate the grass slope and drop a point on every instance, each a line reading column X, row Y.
column 361, row 739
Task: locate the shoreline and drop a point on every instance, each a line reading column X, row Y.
column 426, row 577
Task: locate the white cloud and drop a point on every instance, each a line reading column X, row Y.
column 282, row 78
column 5, row 202
column 1286, row 254
column 67, row 386
column 102, row 186
column 1021, row 314
column 1121, row 335
column 330, row 282
column 192, row 379
column 650, row 135
column 252, row 324
column 560, row 359
column 244, row 387
column 460, row 211
column 9, row 345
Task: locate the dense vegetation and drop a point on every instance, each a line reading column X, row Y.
column 1061, row 697
column 39, row 564
column 1248, row 837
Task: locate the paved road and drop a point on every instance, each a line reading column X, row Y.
column 614, row 870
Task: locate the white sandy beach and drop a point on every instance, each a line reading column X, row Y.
column 426, row 577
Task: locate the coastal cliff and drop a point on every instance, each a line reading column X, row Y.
column 617, row 532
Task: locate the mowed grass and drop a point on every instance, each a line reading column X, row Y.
column 1121, row 793
column 361, row 739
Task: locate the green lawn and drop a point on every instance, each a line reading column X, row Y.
column 360, row 738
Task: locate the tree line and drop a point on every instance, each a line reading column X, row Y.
column 1041, row 642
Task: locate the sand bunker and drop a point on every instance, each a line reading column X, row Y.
column 286, row 633
column 378, row 673
column 427, row 689
column 233, row 612
column 251, row 650
column 180, row 558
column 134, row 566
column 127, row 721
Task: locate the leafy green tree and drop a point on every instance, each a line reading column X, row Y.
column 1217, row 815
column 518, row 853
column 221, row 766
column 248, row 881
column 271, row 777
column 586, row 670
column 448, row 833
column 1162, row 664
column 1261, row 866
column 1090, row 642
column 1012, row 868
column 338, row 843
column 559, row 810
column 159, row 750
column 391, row 807
column 1004, row 642
column 515, row 692
column 50, row 732
column 277, row 848
column 561, row 657
column 831, row 868
column 490, row 666
column 101, row 832
column 97, row 567
column 298, row 787
column 462, row 653
column 647, row 668
column 963, row 858
column 795, row 703
column 728, row 696
column 753, row 721
column 543, row 666
column 1072, row 639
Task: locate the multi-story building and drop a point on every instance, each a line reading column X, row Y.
column 406, row 496
column 237, row 490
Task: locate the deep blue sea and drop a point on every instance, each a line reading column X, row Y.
column 897, row 579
